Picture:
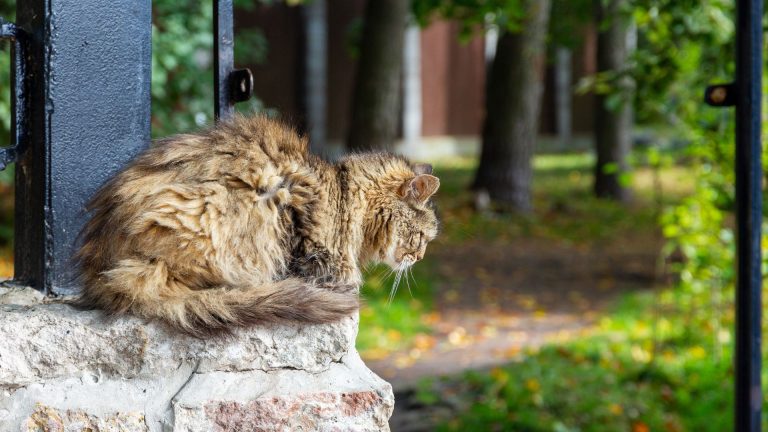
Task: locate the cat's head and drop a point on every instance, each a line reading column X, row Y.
column 402, row 220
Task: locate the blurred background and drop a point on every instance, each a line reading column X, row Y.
column 583, row 279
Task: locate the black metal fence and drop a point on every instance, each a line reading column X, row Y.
column 81, row 96
column 746, row 94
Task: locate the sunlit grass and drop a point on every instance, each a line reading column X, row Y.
column 638, row 371
column 389, row 326
column 564, row 210
column 564, row 205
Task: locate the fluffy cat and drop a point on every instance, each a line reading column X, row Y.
column 240, row 225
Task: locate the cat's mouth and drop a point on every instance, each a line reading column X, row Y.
column 396, row 263
column 405, row 256
column 400, row 259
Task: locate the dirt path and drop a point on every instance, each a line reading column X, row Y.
column 495, row 300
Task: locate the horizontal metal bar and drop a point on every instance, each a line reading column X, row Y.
column 7, row 29
column 8, row 156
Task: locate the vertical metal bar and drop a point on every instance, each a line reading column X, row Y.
column 19, row 95
column 749, row 214
column 89, row 73
column 11, row 32
column 223, row 58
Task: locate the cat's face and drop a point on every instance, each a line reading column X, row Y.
column 414, row 227
column 413, row 222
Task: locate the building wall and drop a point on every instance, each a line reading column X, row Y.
column 278, row 81
column 453, row 78
column 453, row 72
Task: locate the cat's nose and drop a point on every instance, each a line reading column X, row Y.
column 419, row 256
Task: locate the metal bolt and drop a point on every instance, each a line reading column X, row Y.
column 718, row 95
column 242, row 85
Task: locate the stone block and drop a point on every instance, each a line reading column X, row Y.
column 63, row 369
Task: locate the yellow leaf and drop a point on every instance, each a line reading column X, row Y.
column 697, row 352
column 533, row 385
column 616, row 409
column 499, row 375
column 423, row 341
column 394, row 335
column 458, row 336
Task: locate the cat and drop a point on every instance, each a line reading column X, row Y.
column 241, row 225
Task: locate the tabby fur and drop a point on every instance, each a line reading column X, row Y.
column 241, row 225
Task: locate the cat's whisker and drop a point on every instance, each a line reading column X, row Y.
column 410, row 273
column 379, row 273
column 396, row 283
column 408, row 282
column 391, row 272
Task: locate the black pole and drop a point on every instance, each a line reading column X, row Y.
column 230, row 85
column 749, row 204
column 86, row 114
column 223, row 57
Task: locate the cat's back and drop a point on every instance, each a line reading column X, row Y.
column 229, row 184
column 238, row 147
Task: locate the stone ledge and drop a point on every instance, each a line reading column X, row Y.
column 72, row 370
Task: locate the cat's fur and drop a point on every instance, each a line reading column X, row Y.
column 240, row 225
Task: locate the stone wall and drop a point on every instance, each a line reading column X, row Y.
column 67, row 370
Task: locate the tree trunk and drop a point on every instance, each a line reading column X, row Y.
column 563, row 97
column 316, row 59
column 512, row 104
column 412, row 113
column 613, row 124
column 375, row 103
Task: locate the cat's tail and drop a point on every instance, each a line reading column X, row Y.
column 144, row 289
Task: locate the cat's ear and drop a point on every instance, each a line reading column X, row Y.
column 422, row 168
column 420, row 188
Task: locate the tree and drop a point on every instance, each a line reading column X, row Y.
column 512, row 102
column 316, row 79
column 613, row 111
column 375, row 103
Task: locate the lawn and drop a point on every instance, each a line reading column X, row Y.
column 657, row 360
column 645, row 368
column 565, row 211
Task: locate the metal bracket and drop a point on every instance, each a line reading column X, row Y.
column 230, row 85
column 9, row 31
column 241, row 85
column 720, row 95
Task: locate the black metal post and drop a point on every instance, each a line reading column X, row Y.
column 223, row 57
column 230, row 85
column 748, row 213
column 88, row 75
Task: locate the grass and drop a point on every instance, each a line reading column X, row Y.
column 564, row 210
column 387, row 326
column 564, row 206
column 636, row 372
column 657, row 361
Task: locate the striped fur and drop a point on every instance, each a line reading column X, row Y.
column 240, row 225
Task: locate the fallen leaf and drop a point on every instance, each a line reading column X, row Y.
column 639, row 426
